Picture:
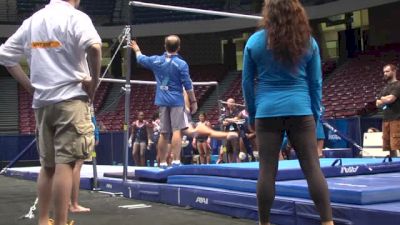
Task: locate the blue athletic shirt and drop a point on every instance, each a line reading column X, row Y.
column 271, row 90
column 172, row 75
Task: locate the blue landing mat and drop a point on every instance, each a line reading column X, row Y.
column 360, row 190
column 285, row 210
column 288, row 169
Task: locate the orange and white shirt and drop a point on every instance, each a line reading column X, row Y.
column 54, row 41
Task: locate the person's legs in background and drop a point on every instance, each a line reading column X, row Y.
column 142, row 155
column 394, row 127
column 135, row 153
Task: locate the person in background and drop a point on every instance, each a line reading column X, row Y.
column 229, row 121
column 372, row 130
column 202, row 143
column 282, row 88
column 154, row 124
column 248, row 145
column 389, row 102
column 140, row 136
column 102, row 126
column 320, row 135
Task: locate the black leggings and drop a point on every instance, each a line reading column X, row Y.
column 302, row 136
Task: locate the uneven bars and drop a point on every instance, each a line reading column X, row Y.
column 152, row 82
column 193, row 10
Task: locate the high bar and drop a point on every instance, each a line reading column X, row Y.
column 193, row 10
column 227, row 103
column 152, row 82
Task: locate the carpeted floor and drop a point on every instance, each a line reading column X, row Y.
column 16, row 197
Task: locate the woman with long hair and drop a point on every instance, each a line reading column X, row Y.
column 282, row 89
column 202, row 142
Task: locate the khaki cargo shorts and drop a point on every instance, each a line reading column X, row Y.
column 391, row 135
column 65, row 132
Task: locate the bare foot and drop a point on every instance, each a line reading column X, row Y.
column 232, row 135
column 78, row 209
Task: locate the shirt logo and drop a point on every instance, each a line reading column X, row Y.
column 46, row 44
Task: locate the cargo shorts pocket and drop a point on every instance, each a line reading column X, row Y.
column 84, row 140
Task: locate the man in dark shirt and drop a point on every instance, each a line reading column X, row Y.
column 229, row 121
column 389, row 101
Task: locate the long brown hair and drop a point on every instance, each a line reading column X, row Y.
column 288, row 30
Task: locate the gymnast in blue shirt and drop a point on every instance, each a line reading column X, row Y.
column 282, row 90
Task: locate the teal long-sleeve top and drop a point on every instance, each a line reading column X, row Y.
column 271, row 90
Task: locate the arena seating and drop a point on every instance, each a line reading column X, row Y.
column 348, row 91
column 351, row 90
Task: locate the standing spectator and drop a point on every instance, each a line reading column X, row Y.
column 229, row 119
column 63, row 50
column 139, row 138
column 172, row 76
column 285, row 61
column 202, row 142
column 154, row 124
column 102, row 126
column 389, row 101
column 248, row 145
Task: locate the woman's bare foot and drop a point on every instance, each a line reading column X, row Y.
column 78, row 209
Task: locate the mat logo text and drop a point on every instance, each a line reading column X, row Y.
column 202, row 200
column 350, row 169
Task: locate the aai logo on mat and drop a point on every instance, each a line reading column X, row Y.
column 202, row 200
column 350, row 169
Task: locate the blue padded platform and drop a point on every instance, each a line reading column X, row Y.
column 236, row 204
column 345, row 214
column 360, row 190
column 85, row 183
column 228, row 183
column 288, row 169
column 285, row 210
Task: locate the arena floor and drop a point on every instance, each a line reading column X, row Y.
column 18, row 195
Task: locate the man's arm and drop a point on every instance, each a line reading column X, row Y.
column 385, row 100
column 20, row 75
column 389, row 99
column 192, row 100
column 135, row 48
column 143, row 60
column 11, row 53
column 94, row 60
